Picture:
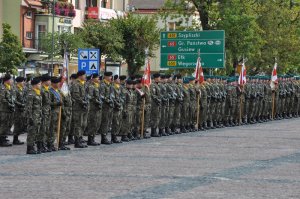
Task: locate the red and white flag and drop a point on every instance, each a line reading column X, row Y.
column 64, row 85
column 243, row 74
column 199, row 76
column 146, row 80
column 274, row 78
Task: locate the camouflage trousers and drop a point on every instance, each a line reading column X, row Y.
column 85, row 121
column 116, row 122
column 155, row 115
column 93, row 123
column 77, row 122
column 177, row 115
column 163, row 116
column 203, row 113
column 106, row 119
column 45, row 127
column 127, row 120
column 33, row 128
column 52, row 134
column 6, row 122
column 170, row 115
column 19, row 122
column 184, row 119
column 65, row 125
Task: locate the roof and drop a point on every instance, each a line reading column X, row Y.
column 34, row 3
column 147, row 4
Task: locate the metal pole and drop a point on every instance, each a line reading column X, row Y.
column 52, row 51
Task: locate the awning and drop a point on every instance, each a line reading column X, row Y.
column 106, row 14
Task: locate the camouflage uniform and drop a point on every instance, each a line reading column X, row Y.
column 155, row 107
column 19, row 116
column 7, row 108
column 34, row 115
column 46, row 114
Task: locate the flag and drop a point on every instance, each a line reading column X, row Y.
column 199, row 76
column 274, row 78
column 140, row 91
column 146, row 80
column 64, row 84
column 242, row 77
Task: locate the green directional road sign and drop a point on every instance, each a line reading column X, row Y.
column 179, row 49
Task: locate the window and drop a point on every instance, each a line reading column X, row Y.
column 62, row 29
column 91, row 3
column 103, row 3
column 77, row 4
column 29, row 14
column 28, row 35
column 171, row 26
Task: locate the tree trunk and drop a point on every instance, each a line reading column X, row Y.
column 202, row 8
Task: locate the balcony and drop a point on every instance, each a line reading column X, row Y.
column 61, row 8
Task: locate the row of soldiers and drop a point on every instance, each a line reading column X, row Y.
column 125, row 107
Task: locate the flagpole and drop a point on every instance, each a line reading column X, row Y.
column 242, row 89
column 273, row 105
column 144, row 103
column 59, row 123
column 198, row 97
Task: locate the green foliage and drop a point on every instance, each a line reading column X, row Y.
column 62, row 41
column 11, row 53
column 103, row 36
column 138, row 33
column 258, row 29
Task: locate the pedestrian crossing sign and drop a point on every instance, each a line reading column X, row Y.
column 89, row 60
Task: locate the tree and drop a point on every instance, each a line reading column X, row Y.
column 62, row 41
column 103, row 36
column 11, row 52
column 138, row 33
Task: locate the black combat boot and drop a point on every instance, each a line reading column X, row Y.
column 136, row 134
column 154, row 133
column 146, row 136
column 91, row 141
column 16, row 140
column 40, row 147
column 130, row 137
column 4, row 142
column 77, row 143
column 51, row 147
column 182, row 129
column 168, row 131
column 115, row 140
column 124, row 138
column 62, row 147
column 31, row 150
column 204, row 125
column 161, row 132
column 71, row 139
column 45, row 148
column 104, row 140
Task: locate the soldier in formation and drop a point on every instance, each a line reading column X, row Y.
column 125, row 108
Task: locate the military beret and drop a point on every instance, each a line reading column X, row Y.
column 35, row 81
column 138, row 76
column 191, row 78
column 162, row 76
column 108, row 74
column 81, row 73
column 73, row 76
column 101, row 77
column 129, row 82
column 134, row 82
column 6, row 77
column 123, row 77
column 55, row 80
column 178, row 76
column 116, row 77
column 138, row 81
column 94, row 76
column 20, row 79
column 156, row 75
column 132, row 77
column 88, row 77
column 186, row 81
column 167, row 76
column 45, row 78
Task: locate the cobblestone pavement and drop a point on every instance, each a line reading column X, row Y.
column 257, row 161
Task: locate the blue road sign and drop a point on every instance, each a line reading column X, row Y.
column 88, row 60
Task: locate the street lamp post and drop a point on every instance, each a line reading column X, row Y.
column 51, row 5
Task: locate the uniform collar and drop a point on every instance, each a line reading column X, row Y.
column 37, row 91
